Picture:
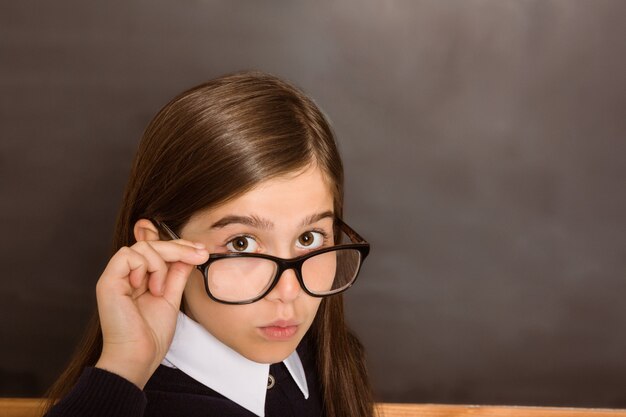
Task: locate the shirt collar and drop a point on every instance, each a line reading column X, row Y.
column 203, row 357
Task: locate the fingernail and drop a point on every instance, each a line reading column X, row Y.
column 199, row 245
column 202, row 252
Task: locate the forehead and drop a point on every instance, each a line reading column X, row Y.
column 284, row 199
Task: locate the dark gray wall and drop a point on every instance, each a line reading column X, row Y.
column 484, row 144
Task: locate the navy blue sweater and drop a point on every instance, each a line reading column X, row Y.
column 170, row 392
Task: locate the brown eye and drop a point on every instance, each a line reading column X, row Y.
column 311, row 240
column 306, row 239
column 242, row 244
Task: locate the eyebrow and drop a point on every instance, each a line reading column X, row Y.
column 317, row 217
column 260, row 223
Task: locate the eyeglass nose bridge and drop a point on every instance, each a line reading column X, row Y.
column 285, row 265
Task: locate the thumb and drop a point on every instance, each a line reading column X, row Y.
column 175, row 282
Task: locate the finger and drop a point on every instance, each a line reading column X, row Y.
column 137, row 274
column 175, row 283
column 198, row 245
column 158, row 253
column 127, row 264
column 174, row 251
column 156, row 266
column 132, row 266
column 137, row 277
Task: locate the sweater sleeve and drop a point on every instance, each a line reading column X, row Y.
column 99, row 393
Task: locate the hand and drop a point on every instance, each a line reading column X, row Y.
column 139, row 295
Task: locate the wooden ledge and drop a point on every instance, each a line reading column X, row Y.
column 20, row 407
column 30, row 407
column 442, row 410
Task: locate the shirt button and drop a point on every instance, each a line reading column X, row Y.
column 271, row 381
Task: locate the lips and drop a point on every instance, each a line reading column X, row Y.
column 280, row 330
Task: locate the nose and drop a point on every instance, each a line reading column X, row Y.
column 287, row 288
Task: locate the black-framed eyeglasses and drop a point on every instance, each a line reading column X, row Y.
column 243, row 278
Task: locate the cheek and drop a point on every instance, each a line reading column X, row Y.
column 197, row 304
column 313, row 305
column 197, row 300
column 229, row 324
column 194, row 290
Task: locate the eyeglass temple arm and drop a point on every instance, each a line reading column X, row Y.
column 166, row 229
column 350, row 232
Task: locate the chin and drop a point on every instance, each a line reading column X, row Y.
column 274, row 353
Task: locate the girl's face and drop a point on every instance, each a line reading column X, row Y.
column 286, row 217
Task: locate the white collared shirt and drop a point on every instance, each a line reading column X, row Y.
column 203, row 357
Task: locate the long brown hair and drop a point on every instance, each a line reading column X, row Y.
column 211, row 144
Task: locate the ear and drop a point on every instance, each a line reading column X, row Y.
column 145, row 230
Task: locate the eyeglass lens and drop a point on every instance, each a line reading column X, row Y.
column 242, row 279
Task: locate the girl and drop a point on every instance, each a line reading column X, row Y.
column 223, row 296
